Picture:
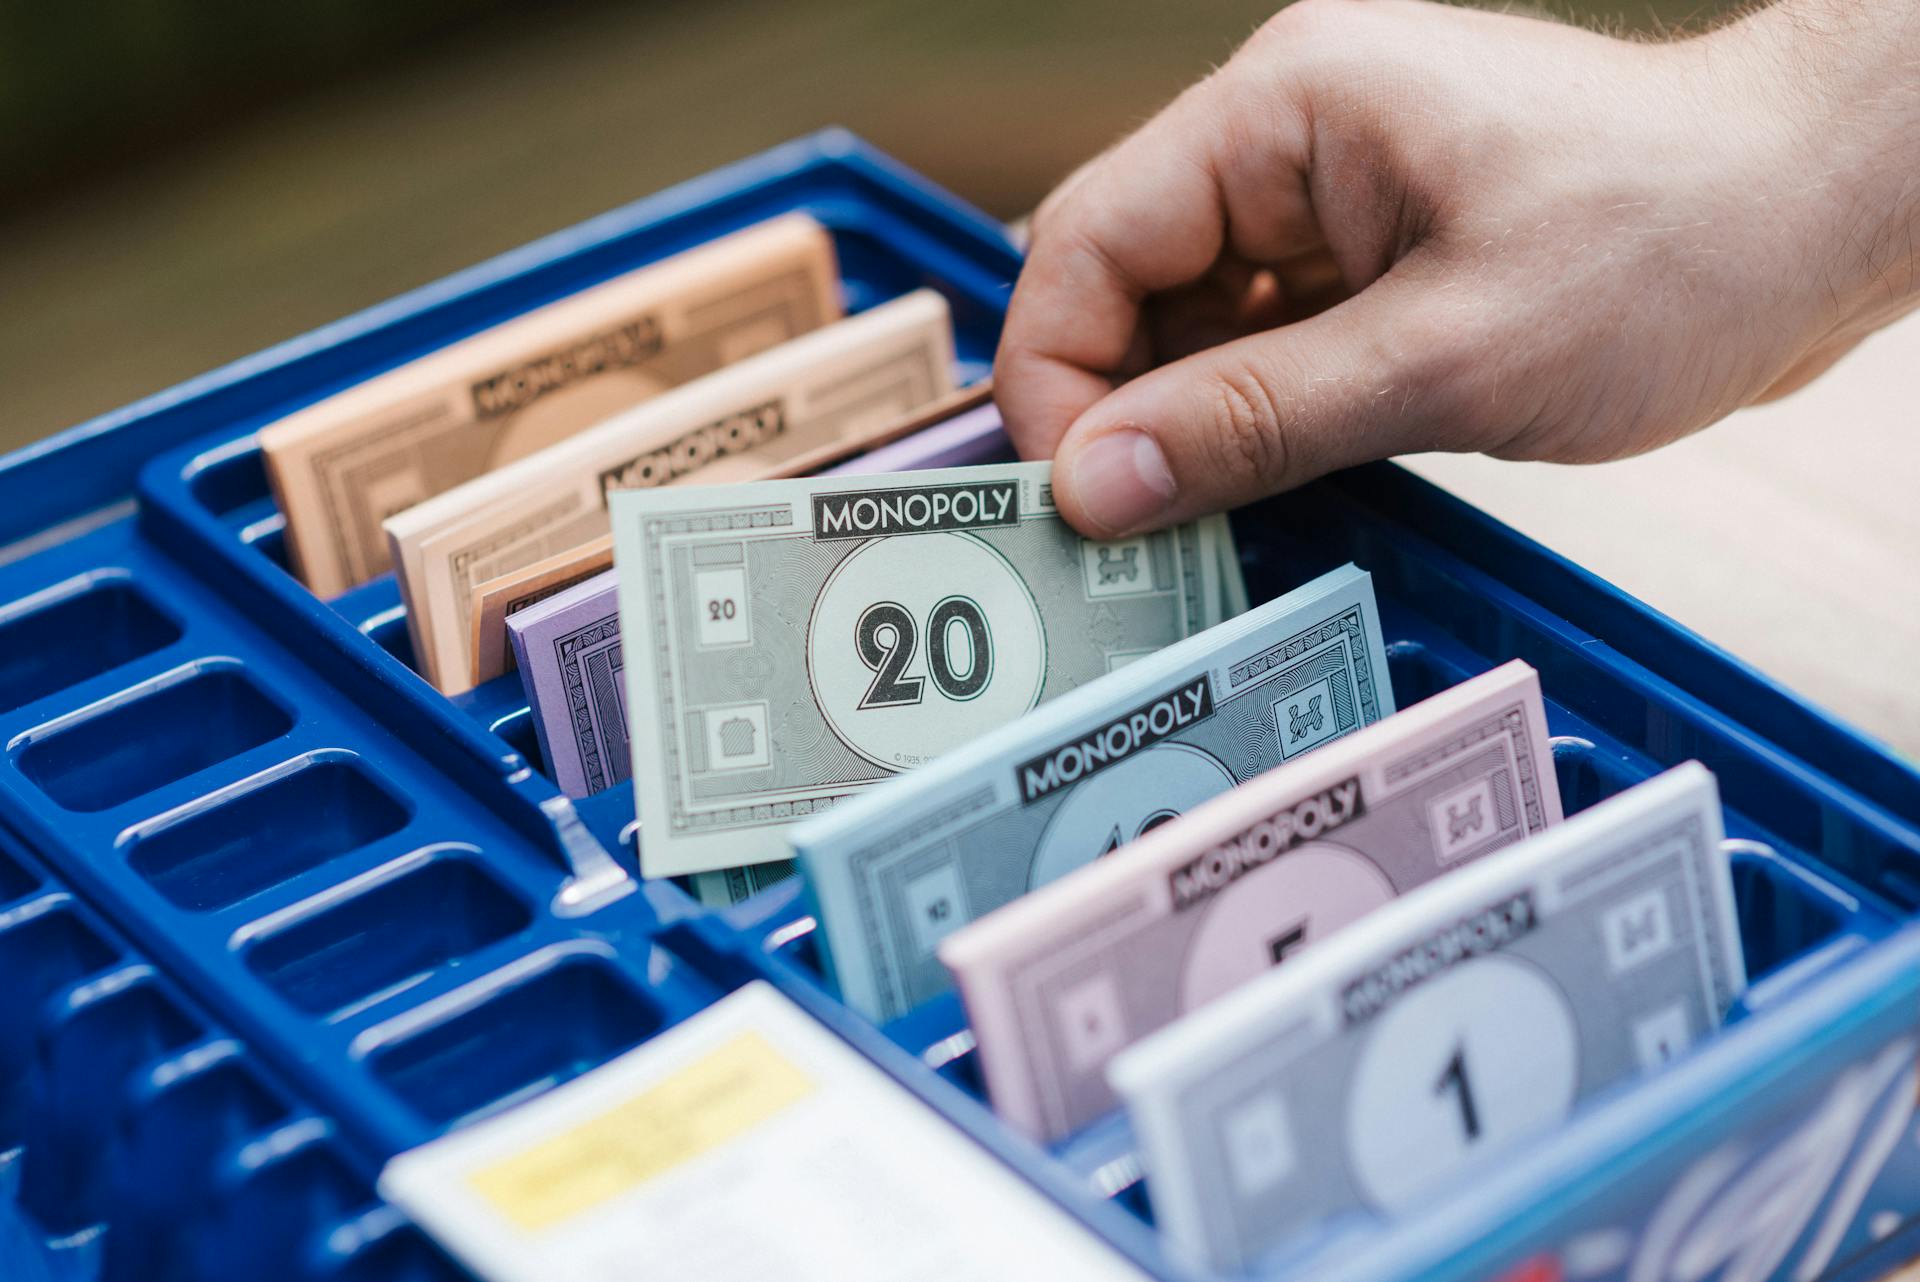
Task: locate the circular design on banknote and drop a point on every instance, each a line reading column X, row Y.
column 920, row 643
column 1107, row 810
column 1268, row 914
column 1479, row 1055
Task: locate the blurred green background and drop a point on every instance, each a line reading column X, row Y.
column 186, row 181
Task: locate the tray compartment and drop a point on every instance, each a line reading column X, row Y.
column 283, row 1189
column 17, row 881
column 379, row 1246
column 1782, row 917
column 190, row 1110
column 74, row 632
column 266, row 831
column 44, row 947
column 407, row 922
column 106, row 1030
column 178, row 726
column 519, row 1041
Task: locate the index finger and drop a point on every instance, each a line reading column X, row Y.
column 1142, row 218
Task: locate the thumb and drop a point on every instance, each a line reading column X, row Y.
column 1367, row 379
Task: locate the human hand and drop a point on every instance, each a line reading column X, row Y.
column 1387, row 226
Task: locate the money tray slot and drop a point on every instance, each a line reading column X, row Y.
column 266, row 834
column 1586, row 777
column 38, row 957
column 521, row 734
column 517, row 1044
column 151, row 741
column 389, row 632
column 1418, row 673
column 16, row 882
column 387, row 938
column 182, row 1128
column 47, row 649
column 268, row 1226
column 1782, row 917
column 76, row 1092
column 232, row 485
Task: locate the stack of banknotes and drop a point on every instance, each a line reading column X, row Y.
column 1182, row 859
column 1195, row 878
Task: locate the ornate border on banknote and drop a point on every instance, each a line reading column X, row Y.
column 1348, row 626
column 583, row 704
column 461, row 562
column 1512, row 723
column 1687, row 831
column 859, row 864
column 652, row 530
column 344, row 483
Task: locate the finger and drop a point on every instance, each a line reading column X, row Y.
column 1238, row 299
column 1151, row 215
column 1374, row 376
column 1217, row 309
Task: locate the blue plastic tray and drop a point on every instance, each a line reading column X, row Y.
column 369, row 917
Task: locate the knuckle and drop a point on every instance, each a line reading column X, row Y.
column 1249, row 438
column 1045, row 218
column 1450, row 368
column 1298, row 24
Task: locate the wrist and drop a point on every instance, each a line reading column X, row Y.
column 1834, row 87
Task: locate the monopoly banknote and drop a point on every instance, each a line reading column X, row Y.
column 797, row 642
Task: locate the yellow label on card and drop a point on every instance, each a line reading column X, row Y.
column 719, row 1096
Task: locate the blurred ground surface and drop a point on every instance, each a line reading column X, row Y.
column 1789, row 535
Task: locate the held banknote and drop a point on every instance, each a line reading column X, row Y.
column 733, row 425
column 796, row 642
column 342, row 466
column 896, row 871
column 1060, row 980
column 748, row 1143
column 1356, row 1081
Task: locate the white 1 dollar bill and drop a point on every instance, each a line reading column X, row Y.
column 788, row 644
column 1361, row 1079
